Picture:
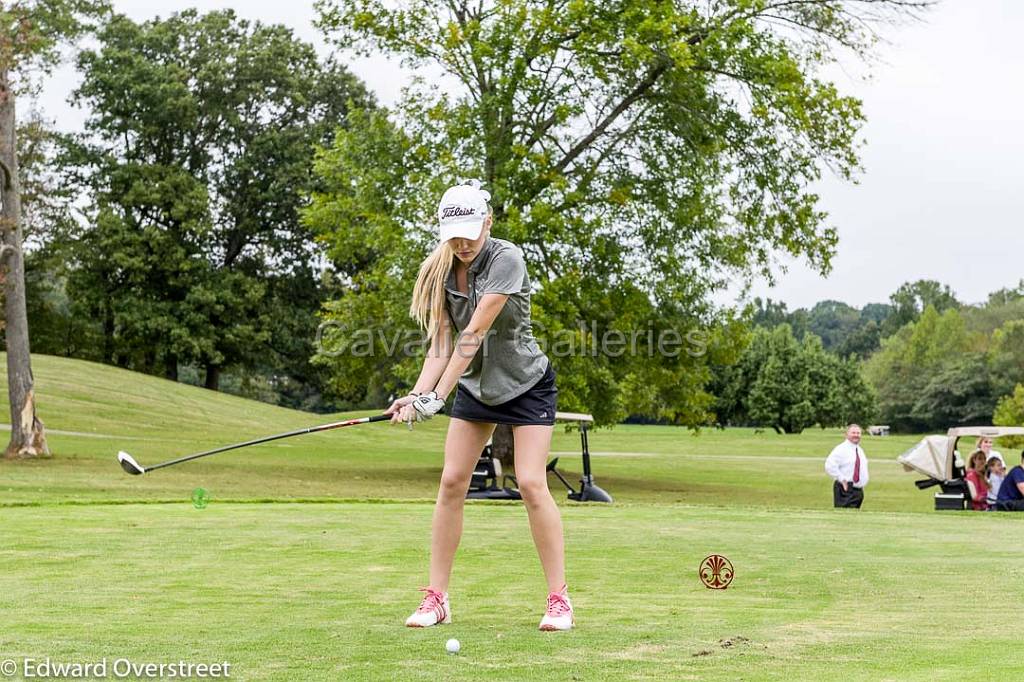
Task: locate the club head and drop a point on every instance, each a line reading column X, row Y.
column 129, row 464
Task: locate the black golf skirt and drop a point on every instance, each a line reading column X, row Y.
column 535, row 407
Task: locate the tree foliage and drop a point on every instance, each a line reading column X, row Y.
column 31, row 33
column 790, row 385
column 197, row 159
column 1002, row 306
column 1010, row 412
column 843, row 329
column 912, row 298
column 642, row 153
column 910, row 370
column 960, row 392
column 1007, row 355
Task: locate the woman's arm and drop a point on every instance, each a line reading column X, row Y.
column 465, row 347
column 438, row 355
column 468, row 343
column 436, row 360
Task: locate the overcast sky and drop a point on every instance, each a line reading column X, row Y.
column 943, row 186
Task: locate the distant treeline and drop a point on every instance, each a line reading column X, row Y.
column 922, row 362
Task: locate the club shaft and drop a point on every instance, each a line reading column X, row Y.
column 267, row 439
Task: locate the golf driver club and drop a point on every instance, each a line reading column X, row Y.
column 131, row 466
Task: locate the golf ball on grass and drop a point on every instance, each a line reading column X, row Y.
column 452, row 646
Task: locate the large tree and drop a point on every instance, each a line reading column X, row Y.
column 960, row 392
column 1006, row 355
column 642, row 153
column 905, row 371
column 47, row 217
column 911, row 299
column 1010, row 412
column 790, row 385
column 31, row 35
column 197, row 155
column 833, row 322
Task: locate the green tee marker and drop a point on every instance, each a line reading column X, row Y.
column 200, row 498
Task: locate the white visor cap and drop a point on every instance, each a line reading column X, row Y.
column 462, row 211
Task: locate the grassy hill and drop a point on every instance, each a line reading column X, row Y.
column 299, row 591
column 91, row 411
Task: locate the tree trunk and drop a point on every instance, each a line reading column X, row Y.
column 69, row 339
column 503, row 446
column 108, row 331
column 171, row 367
column 149, row 359
column 28, row 437
column 213, row 377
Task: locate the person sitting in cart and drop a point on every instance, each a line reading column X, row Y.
column 977, row 486
column 1011, row 492
column 984, row 443
column 995, row 472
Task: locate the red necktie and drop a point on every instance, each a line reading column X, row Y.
column 856, row 465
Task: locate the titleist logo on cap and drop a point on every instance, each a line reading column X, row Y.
column 456, row 211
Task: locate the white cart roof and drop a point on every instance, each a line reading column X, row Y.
column 934, row 455
column 927, row 457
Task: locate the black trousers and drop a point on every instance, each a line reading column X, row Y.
column 851, row 497
column 1010, row 505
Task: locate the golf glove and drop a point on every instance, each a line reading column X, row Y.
column 427, row 405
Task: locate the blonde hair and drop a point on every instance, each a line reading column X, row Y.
column 428, row 300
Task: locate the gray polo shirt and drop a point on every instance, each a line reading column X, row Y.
column 509, row 362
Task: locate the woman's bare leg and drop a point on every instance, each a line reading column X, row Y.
column 533, row 444
column 462, row 448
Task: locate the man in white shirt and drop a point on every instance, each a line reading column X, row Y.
column 848, row 466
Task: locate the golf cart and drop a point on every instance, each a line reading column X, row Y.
column 490, row 483
column 938, row 458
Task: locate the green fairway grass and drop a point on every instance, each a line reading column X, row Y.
column 307, row 559
column 319, row 592
column 92, row 411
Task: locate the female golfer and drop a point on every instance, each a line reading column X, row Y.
column 472, row 296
